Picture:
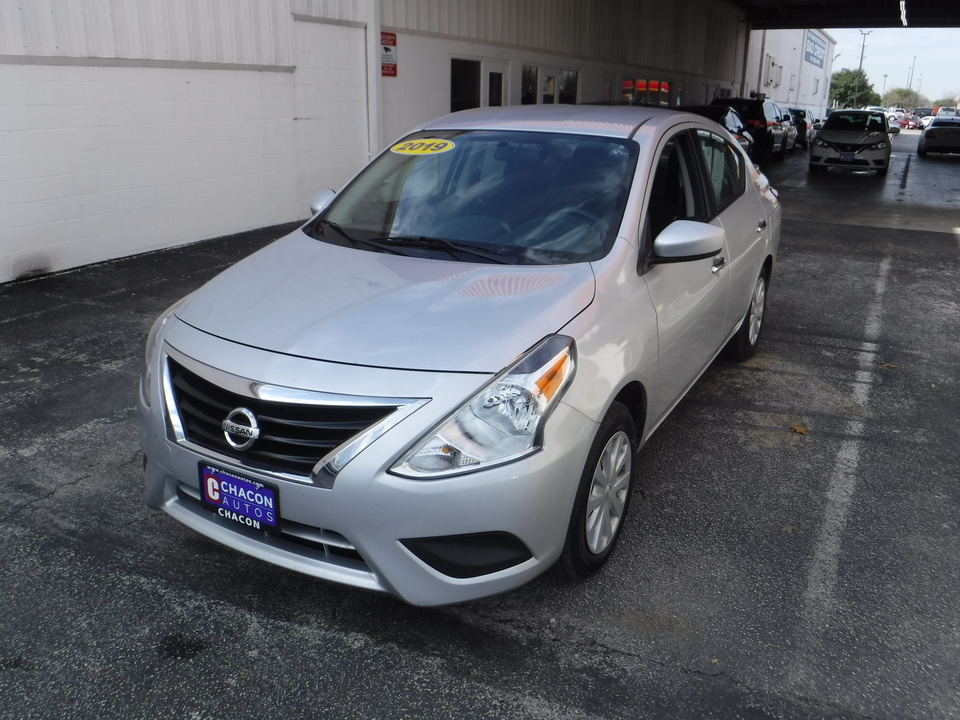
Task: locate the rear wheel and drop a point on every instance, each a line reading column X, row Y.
column 743, row 345
column 602, row 497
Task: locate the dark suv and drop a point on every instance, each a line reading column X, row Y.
column 765, row 121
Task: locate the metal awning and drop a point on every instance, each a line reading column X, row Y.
column 783, row 14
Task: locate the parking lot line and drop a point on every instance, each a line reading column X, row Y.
column 818, row 599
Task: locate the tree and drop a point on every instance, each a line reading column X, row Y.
column 902, row 98
column 948, row 101
column 851, row 88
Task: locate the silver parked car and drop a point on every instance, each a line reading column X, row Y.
column 854, row 139
column 437, row 386
column 940, row 136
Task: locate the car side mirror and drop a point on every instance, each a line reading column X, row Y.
column 320, row 201
column 894, row 130
column 687, row 240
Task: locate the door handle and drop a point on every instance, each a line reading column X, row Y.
column 761, row 226
column 718, row 264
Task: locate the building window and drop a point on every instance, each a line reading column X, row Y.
column 548, row 96
column 568, row 86
column 495, row 82
column 547, row 87
column 640, row 91
column 528, row 85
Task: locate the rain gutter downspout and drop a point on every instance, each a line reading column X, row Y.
column 374, row 131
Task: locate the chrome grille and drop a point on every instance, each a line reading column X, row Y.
column 294, row 437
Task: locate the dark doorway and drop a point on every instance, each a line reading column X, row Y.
column 496, row 89
column 464, row 84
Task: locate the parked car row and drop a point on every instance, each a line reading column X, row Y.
column 773, row 129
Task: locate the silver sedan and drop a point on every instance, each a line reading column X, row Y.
column 942, row 135
column 438, row 385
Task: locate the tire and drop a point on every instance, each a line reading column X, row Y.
column 743, row 345
column 883, row 171
column 921, row 152
column 602, row 497
column 815, row 168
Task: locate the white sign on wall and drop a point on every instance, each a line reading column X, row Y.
column 388, row 54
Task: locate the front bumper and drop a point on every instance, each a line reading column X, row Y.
column 856, row 160
column 422, row 540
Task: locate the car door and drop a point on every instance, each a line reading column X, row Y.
column 740, row 212
column 690, row 298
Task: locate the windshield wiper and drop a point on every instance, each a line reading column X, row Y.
column 451, row 247
column 395, row 243
column 359, row 242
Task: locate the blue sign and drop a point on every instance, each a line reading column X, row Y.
column 816, row 49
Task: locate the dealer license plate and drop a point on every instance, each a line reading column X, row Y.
column 846, row 157
column 241, row 500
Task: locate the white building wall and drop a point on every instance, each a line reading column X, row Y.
column 792, row 67
column 102, row 162
column 251, row 32
column 330, row 112
column 128, row 126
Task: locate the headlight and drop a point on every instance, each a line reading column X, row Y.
column 879, row 146
column 501, row 423
column 820, row 143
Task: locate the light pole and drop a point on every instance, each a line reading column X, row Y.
column 883, row 92
column 910, row 79
column 856, row 89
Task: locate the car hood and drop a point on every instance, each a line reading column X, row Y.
column 851, row 137
column 308, row 298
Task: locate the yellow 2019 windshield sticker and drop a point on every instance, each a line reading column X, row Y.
column 427, row 146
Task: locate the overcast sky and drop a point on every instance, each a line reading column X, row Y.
column 891, row 51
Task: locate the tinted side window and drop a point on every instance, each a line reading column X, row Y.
column 673, row 195
column 725, row 168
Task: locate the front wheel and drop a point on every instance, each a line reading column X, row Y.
column 602, row 497
column 743, row 345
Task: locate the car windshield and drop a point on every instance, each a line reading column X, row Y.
column 855, row 122
column 487, row 196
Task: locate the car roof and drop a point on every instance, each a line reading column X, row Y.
column 618, row 121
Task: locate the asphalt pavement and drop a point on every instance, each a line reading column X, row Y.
column 793, row 554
